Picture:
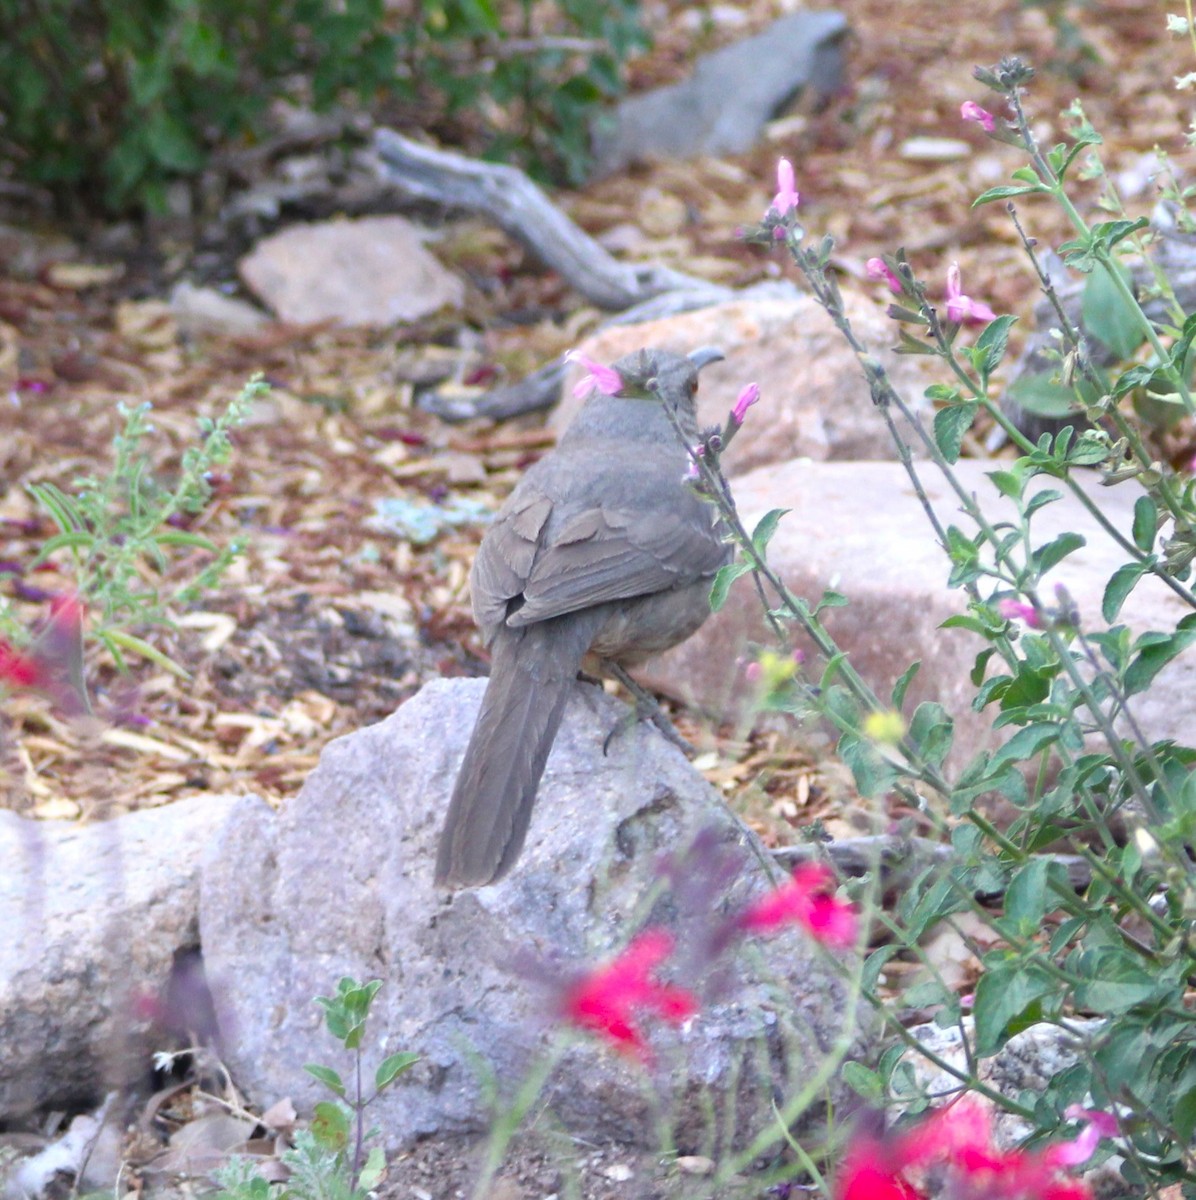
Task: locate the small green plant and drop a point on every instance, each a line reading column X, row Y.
column 328, row 1161
column 119, row 535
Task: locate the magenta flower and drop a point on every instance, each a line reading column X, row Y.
column 969, row 110
column 747, row 398
column 1076, row 1153
column 607, row 999
column 787, row 197
column 598, row 378
column 877, row 268
column 1015, row 610
column 963, row 308
column 806, row 901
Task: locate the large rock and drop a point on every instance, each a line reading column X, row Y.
column 92, row 919
column 814, row 401
column 372, row 271
column 722, row 107
column 340, row 883
column 859, row 529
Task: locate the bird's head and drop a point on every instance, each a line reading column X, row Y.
column 661, row 374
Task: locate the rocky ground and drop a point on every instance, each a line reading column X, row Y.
column 332, row 617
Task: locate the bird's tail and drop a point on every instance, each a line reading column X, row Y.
column 488, row 816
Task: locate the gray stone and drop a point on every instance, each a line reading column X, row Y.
column 204, row 310
column 92, row 918
column 858, row 528
column 722, row 107
column 371, row 271
column 340, row 883
column 814, row 401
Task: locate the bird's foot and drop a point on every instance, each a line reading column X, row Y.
column 646, row 707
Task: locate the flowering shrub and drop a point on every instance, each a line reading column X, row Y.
column 1116, row 947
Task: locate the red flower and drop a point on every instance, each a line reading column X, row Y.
column 959, row 1138
column 16, row 669
column 869, row 1174
column 607, row 999
column 53, row 665
column 805, row 901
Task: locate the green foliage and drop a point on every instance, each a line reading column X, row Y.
column 328, row 1160
column 1062, row 686
column 116, row 532
column 112, row 101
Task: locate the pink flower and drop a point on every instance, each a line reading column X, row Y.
column 1078, row 1151
column 606, row 1000
column 963, row 308
column 868, row 1174
column 787, row 197
column 606, row 380
column 747, row 398
column 1015, row 610
column 877, row 268
column 805, row 901
column 969, row 110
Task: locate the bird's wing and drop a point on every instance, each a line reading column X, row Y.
column 506, row 556
column 610, row 553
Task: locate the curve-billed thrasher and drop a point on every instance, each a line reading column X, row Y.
column 600, row 549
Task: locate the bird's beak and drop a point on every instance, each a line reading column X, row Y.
column 705, row 356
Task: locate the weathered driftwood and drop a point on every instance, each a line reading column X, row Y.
column 516, row 205
column 900, row 859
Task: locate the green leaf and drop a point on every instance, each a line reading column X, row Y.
column 932, row 730
column 1009, row 483
column 136, row 645
column 766, row 527
column 1004, row 192
column 874, row 774
column 725, row 576
column 179, row 537
column 1121, row 583
column 1056, row 550
column 1146, row 523
column 1042, row 395
column 1027, row 743
column 393, row 1066
column 992, row 342
column 1026, row 898
column 1108, row 316
column 1007, row 1000
column 1156, row 652
column 373, row 1170
column 902, row 684
column 330, row 1125
column 327, row 1076
column 864, row 1082
column 950, row 424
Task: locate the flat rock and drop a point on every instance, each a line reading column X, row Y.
column 814, row 401
column 93, row 916
column 340, row 883
column 371, row 271
column 859, row 529
column 204, row 310
column 731, row 94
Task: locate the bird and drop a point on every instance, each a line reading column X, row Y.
column 603, row 553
